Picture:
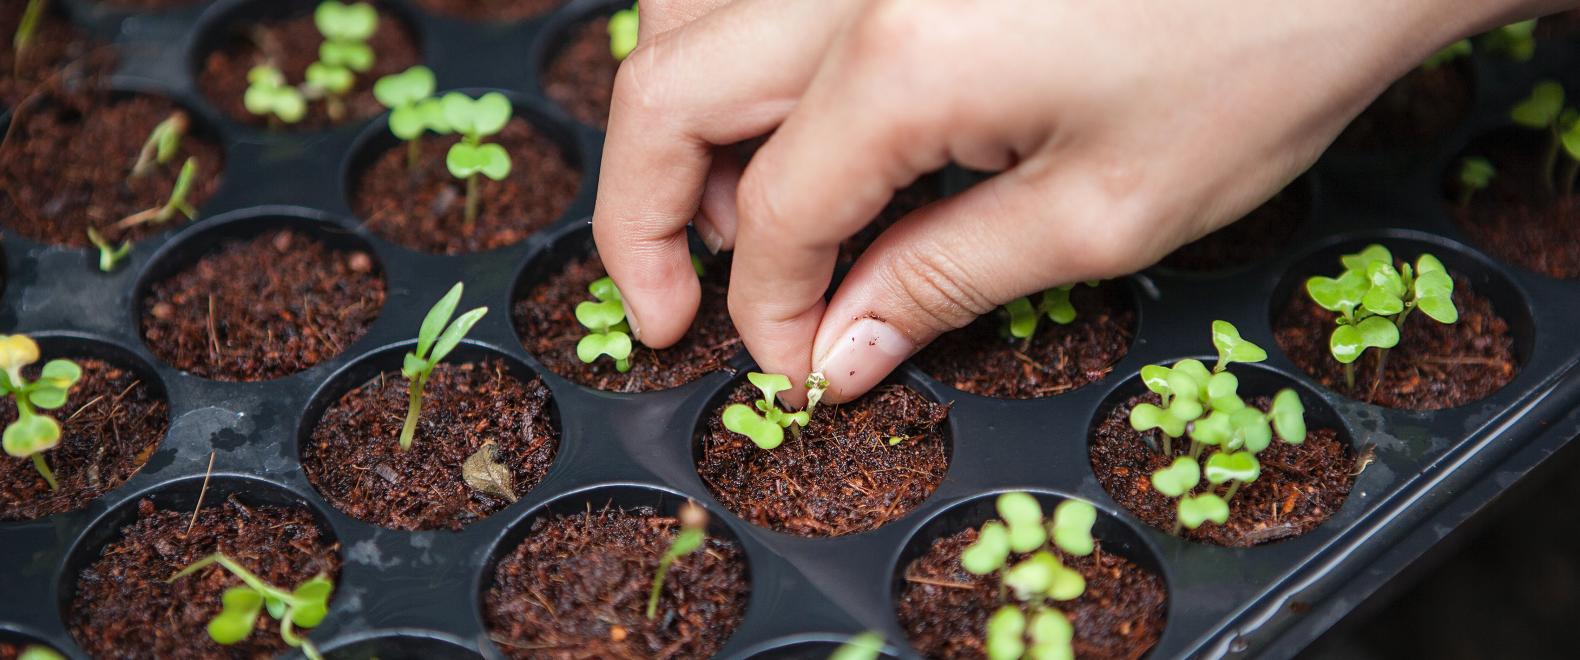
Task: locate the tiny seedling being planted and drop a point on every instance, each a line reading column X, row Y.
column 303, row 607
column 693, row 531
column 475, row 119
column 1054, row 305
column 437, row 337
column 1373, row 299
column 608, row 332
column 1475, row 175
column 1544, row 111
column 176, row 204
column 765, row 425
column 34, row 433
column 622, row 32
column 162, row 145
column 409, row 96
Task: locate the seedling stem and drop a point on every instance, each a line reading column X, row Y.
column 437, row 337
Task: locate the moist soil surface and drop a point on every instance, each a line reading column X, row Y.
column 945, row 609
column 924, row 191
column 580, row 76
column 841, row 476
column 1516, row 218
column 1420, row 107
column 124, row 608
column 262, row 308
column 291, row 45
column 546, row 320
column 491, row 10
column 1435, row 366
column 111, row 423
column 1259, row 235
column 980, row 359
column 1300, row 486
column 55, row 43
column 577, row 587
column 425, row 210
column 354, row 456
column 67, row 162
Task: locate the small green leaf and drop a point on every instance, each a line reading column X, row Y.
column 1221, row 385
column 600, row 316
column 38, row 652
column 741, row 419
column 1476, row 173
column 614, row 344
column 1033, row 576
column 1178, row 478
column 438, row 316
column 1233, row 348
column 405, row 88
column 336, row 80
column 623, row 29
column 1250, row 430
column 604, row 289
column 1196, row 371
column 769, row 384
column 1339, row 294
column 1145, row 417
column 1068, row 583
column 406, row 122
column 1071, row 528
column 1052, row 636
column 1240, row 466
column 1360, row 261
column 1022, row 318
column 1056, row 305
column 47, row 397
column 1199, row 509
column 339, row 21
column 1541, row 108
column 234, row 623
column 432, row 112
column 30, row 434
column 989, row 552
column 1156, row 379
column 490, row 114
column 1382, row 302
column 1449, row 53
column 866, row 646
column 1023, row 517
column 453, row 335
column 1349, row 341
column 354, row 55
column 1006, row 631
column 1440, row 308
column 1289, row 417
column 411, row 366
column 1213, row 430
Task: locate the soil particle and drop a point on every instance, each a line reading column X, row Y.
column 262, row 308
column 1421, row 107
column 491, row 10
column 841, row 476
column 355, row 460
column 1516, row 218
column 580, row 76
column 55, row 43
column 577, row 587
column 1262, row 233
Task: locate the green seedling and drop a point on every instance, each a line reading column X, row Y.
column 162, row 145
column 1449, row 53
column 1475, row 175
column 331, row 83
column 1071, row 528
column 475, row 119
column 409, row 96
column 1544, row 110
column 1374, row 299
column 766, row 425
column 1179, row 478
column 437, row 337
column 1196, row 510
column 1031, row 627
column 34, row 433
column 110, row 256
column 176, row 204
column 346, row 29
column 303, row 607
column 1516, row 41
column 866, row 646
column 1053, row 305
column 37, row 652
column 32, row 16
column 268, row 96
column 622, row 32
column 1187, row 390
column 608, row 331
column 693, row 531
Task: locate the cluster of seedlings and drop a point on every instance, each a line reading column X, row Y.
column 414, row 110
column 343, row 54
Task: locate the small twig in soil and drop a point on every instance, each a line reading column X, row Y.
column 939, row 583
column 204, row 491
column 84, row 408
column 213, row 335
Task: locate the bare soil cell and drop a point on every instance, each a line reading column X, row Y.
column 1517, row 218
column 55, row 43
column 981, row 359
column 945, row 609
column 262, row 308
column 545, row 318
column 354, row 456
column 291, row 45
column 1300, row 487
column 1422, row 106
column 124, row 608
column 580, row 76
column 924, row 191
column 491, row 10
column 425, row 209
column 1435, row 366
column 67, row 162
column 1262, row 233
column 841, row 476
column 111, row 423
column 577, row 587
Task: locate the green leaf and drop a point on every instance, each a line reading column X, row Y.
column 234, row 623
column 31, row 434
column 1250, row 430
column 1477, row 173
column 405, row 88
column 47, row 397
column 769, row 384
column 1289, row 417
column 604, row 289
column 411, row 366
column 989, row 551
column 60, row 373
column 1427, row 263
column 1056, row 305
column 432, row 112
column 1239, row 466
column 741, row 419
column 1440, row 308
column 1213, row 430
column 1233, row 348
column 265, row 75
column 1541, row 108
column 490, row 160
column 1023, row 517
column 354, row 55
column 1068, row 584
column 1145, row 417
column 1199, row 509
column 1384, row 276
column 275, row 606
column 406, row 122
column 1382, row 302
column 476, row 118
column 1156, row 379
column 312, row 602
column 1221, row 385
column 866, row 646
column 1339, row 294
column 496, row 162
column 1071, row 528
column 1368, row 255
column 1178, row 478
column 336, row 80
column 1196, row 371
column 1022, row 318
column 614, row 344
column 623, row 28
column 438, row 316
column 600, row 316
column 453, row 335
column 1006, row 630
column 339, row 21
column 1050, row 625
column 1349, row 341
column 38, row 652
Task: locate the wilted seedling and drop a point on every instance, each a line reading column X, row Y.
column 34, row 433
column 766, row 425
column 1031, row 627
column 1475, row 175
column 437, row 337
column 162, row 145
column 1373, row 299
column 1449, row 53
column 176, row 204
column 476, row 119
column 303, row 607
column 109, row 255
column 622, row 32
column 409, row 96
column 608, row 332
column 1053, row 305
column 268, row 96
column 866, row 646
column 693, row 531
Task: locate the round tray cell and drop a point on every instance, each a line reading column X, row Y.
column 1517, row 218
column 56, row 42
column 1300, row 486
column 576, row 573
column 807, row 649
column 258, row 298
column 1263, row 233
column 114, row 418
column 555, row 281
column 490, row 12
column 350, row 439
column 116, row 595
column 282, row 33
column 578, row 70
column 944, row 609
column 1435, row 366
column 857, row 467
column 414, row 645
column 70, row 166
column 424, row 208
column 1416, row 110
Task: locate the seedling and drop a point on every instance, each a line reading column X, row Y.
column 1544, row 110
column 866, row 646
column 766, row 425
column 1516, row 41
column 1053, row 305
column 109, row 255
column 1449, row 53
column 608, row 331
column 1186, row 390
column 346, row 29
column 330, row 83
column 176, row 204
column 693, row 531
column 437, row 337
column 268, row 96
column 32, row 16
column 476, row 119
column 409, row 96
column 162, row 145
column 1475, row 175
column 622, row 32
column 1374, row 299
column 34, row 433
column 303, row 607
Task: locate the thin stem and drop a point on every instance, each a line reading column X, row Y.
column 336, row 106
column 471, row 205
column 43, row 469
column 413, row 409
column 1195, row 450
column 1466, row 193
column 1349, row 376
column 413, row 154
column 1550, row 159
column 288, row 634
column 658, row 585
column 1234, row 487
column 1168, row 445
column 1177, row 525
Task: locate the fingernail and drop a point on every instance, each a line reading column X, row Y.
column 711, row 238
column 630, row 319
column 863, row 357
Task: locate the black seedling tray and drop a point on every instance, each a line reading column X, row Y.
column 418, row 594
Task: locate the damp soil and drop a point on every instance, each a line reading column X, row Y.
column 545, row 318
column 841, row 476
column 425, row 209
column 124, row 608
column 67, row 161
column 577, row 587
column 111, row 423
column 580, row 75
column 291, row 45
column 1300, row 487
column 262, row 308
column 1518, row 219
column 924, row 191
column 1435, row 366
column 491, row 10
column 944, row 609
column 1420, row 107
column 1261, row 234
column 980, row 359
column 354, row 457
column 55, row 44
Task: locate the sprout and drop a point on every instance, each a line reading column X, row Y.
column 1199, row 509
column 435, row 340
column 109, row 255
column 303, row 607
column 1475, row 174
column 1188, row 387
column 32, row 17
column 476, row 119
column 268, row 96
column 866, row 646
column 609, row 333
column 38, row 652
column 1544, row 111
column 176, row 204
column 1179, row 478
column 34, row 433
column 1054, row 305
column 408, row 95
column 162, row 144
column 1022, row 518
column 1517, row 41
column 1373, row 300
column 330, row 83
column 765, row 426
column 1071, row 528
column 1448, row 54
column 1031, row 627
column 1232, row 348
column 346, row 29
column 622, row 32
column 694, row 523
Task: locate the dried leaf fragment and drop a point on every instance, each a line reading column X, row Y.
column 483, row 472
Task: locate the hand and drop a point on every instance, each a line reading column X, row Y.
column 1120, row 129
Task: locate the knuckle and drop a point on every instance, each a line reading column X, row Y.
column 638, row 82
column 938, row 288
column 757, row 211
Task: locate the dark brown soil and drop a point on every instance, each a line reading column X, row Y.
column 111, row 423
column 262, row 308
column 1516, row 218
column 67, row 162
column 841, row 476
column 944, row 609
column 546, row 320
column 924, row 191
column 425, row 210
column 145, row 5
column 1417, row 109
column 55, row 43
column 291, row 45
column 124, row 608
column 491, row 10
column 1435, row 366
column 577, row 587
column 981, row 359
column 1300, row 487
column 1262, row 233
column 580, row 76
column 355, row 460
